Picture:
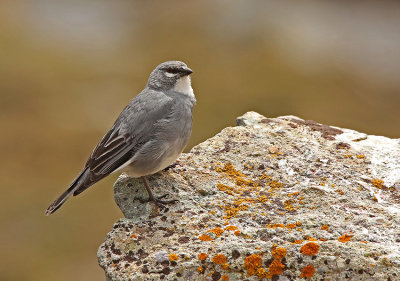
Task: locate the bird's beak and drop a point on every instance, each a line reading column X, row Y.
column 187, row 71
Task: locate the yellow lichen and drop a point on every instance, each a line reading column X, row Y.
column 377, row 183
column 340, row 191
column 229, row 170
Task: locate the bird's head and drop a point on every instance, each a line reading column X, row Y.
column 170, row 75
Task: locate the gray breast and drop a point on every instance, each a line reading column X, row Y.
column 171, row 135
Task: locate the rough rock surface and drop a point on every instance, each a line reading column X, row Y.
column 280, row 199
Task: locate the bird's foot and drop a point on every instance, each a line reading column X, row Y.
column 158, row 200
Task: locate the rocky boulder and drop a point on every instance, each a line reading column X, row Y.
column 280, row 199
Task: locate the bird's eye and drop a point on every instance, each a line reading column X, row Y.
column 171, row 70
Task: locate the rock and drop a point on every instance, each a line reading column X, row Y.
column 280, row 198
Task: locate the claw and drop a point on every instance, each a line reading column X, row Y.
column 157, row 200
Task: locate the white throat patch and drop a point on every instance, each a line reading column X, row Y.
column 170, row 74
column 184, row 86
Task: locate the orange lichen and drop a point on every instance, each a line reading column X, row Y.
column 224, row 277
column 289, row 205
column 298, row 241
column 200, row 269
column 245, row 191
column 294, row 193
column 232, row 211
column 340, row 191
column 223, row 187
column 279, row 253
column 231, row 227
column 205, row 237
column 262, row 198
column 217, row 231
column 298, row 223
column 202, row 256
column 276, row 267
column 345, row 238
column 325, row 227
column 276, row 225
column 363, row 242
column 270, row 182
column 377, row 183
column 219, row 259
column 360, row 156
column 261, row 272
column 308, row 271
column 173, row 257
column 133, row 236
column 242, row 181
column 310, row 249
column 225, row 266
column 252, row 263
column 229, row 170
column 237, row 232
column 290, row 225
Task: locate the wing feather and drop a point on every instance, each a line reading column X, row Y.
column 120, row 144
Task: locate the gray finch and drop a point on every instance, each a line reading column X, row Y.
column 148, row 136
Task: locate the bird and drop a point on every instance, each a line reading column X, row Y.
column 147, row 137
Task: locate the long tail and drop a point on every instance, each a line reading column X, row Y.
column 78, row 183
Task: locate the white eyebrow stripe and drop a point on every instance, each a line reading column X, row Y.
column 170, row 74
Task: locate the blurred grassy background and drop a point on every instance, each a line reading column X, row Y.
column 67, row 68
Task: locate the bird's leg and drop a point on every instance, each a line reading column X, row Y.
column 157, row 201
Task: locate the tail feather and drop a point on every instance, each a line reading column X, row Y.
column 76, row 184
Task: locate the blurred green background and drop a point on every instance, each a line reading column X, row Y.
column 67, row 68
